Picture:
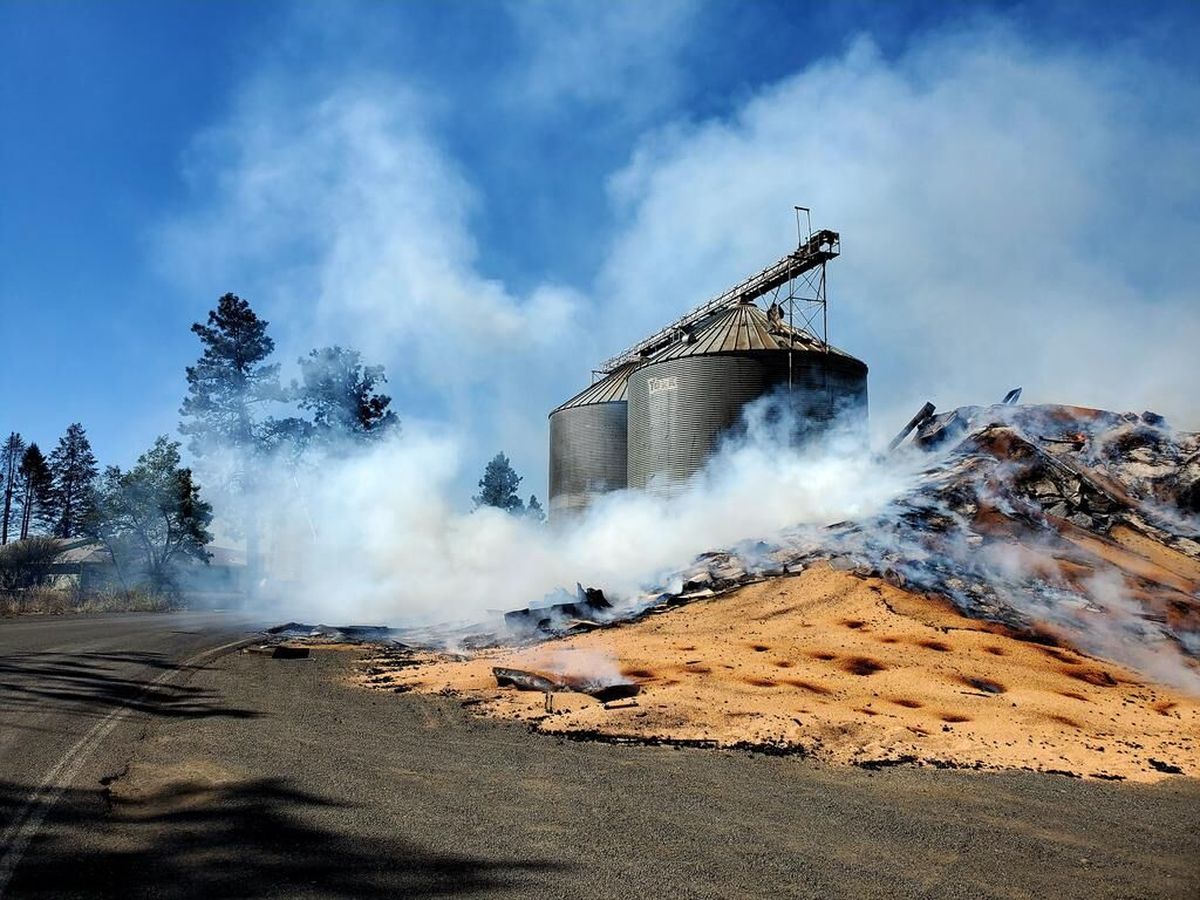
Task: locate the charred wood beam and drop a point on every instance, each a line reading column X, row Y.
column 548, row 683
column 915, row 422
column 527, row 681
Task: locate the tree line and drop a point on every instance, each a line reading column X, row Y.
column 244, row 424
column 49, row 496
column 235, row 394
column 239, row 418
column 234, row 385
column 150, row 516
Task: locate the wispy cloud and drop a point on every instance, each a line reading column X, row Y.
column 620, row 54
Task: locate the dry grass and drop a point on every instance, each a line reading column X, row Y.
column 45, row 601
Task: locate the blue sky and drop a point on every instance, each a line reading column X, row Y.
column 491, row 198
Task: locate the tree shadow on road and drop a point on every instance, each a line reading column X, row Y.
column 244, row 839
column 95, row 683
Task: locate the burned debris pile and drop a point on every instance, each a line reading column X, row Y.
column 1059, row 518
column 561, row 614
column 440, row 637
column 351, row 634
column 711, row 574
column 1060, row 522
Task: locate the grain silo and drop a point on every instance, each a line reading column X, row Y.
column 588, row 453
column 668, row 400
column 693, row 391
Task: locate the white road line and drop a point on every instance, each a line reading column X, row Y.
column 28, row 820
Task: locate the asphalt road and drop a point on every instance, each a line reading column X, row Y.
column 75, row 692
column 252, row 776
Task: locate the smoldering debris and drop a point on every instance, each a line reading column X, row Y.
column 1058, row 522
column 712, row 574
column 923, row 414
column 345, row 633
column 560, row 614
column 448, row 637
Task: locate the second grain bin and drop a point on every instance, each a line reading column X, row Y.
column 588, row 454
column 692, row 392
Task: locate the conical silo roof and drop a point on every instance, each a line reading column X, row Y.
column 609, row 389
column 741, row 328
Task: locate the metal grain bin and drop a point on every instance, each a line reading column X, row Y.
column 692, row 392
column 588, row 453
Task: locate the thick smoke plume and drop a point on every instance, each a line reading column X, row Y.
column 378, row 535
column 1005, row 528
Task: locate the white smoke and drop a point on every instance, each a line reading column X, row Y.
column 596, row 665
column 378, row 536
column 1100, row 616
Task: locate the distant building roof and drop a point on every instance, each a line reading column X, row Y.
column 76, row 551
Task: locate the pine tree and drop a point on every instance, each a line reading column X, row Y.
column 10, row 463
column 226, row 387
column 534, row 510
column 498, row 486
column 36, row 481
column 73, row 472
column 342, row 395
column 229, row 381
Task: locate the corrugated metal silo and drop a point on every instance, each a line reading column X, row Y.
column 693, row 391
column 588, row 451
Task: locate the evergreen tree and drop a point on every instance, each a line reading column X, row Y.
column 152, row 515
column 10, row 464
column 534, row 510
column 229, row 381
column 73, row 472
column 226, row 388
column 342, row 394
column 35, row 498
column 498, row 486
